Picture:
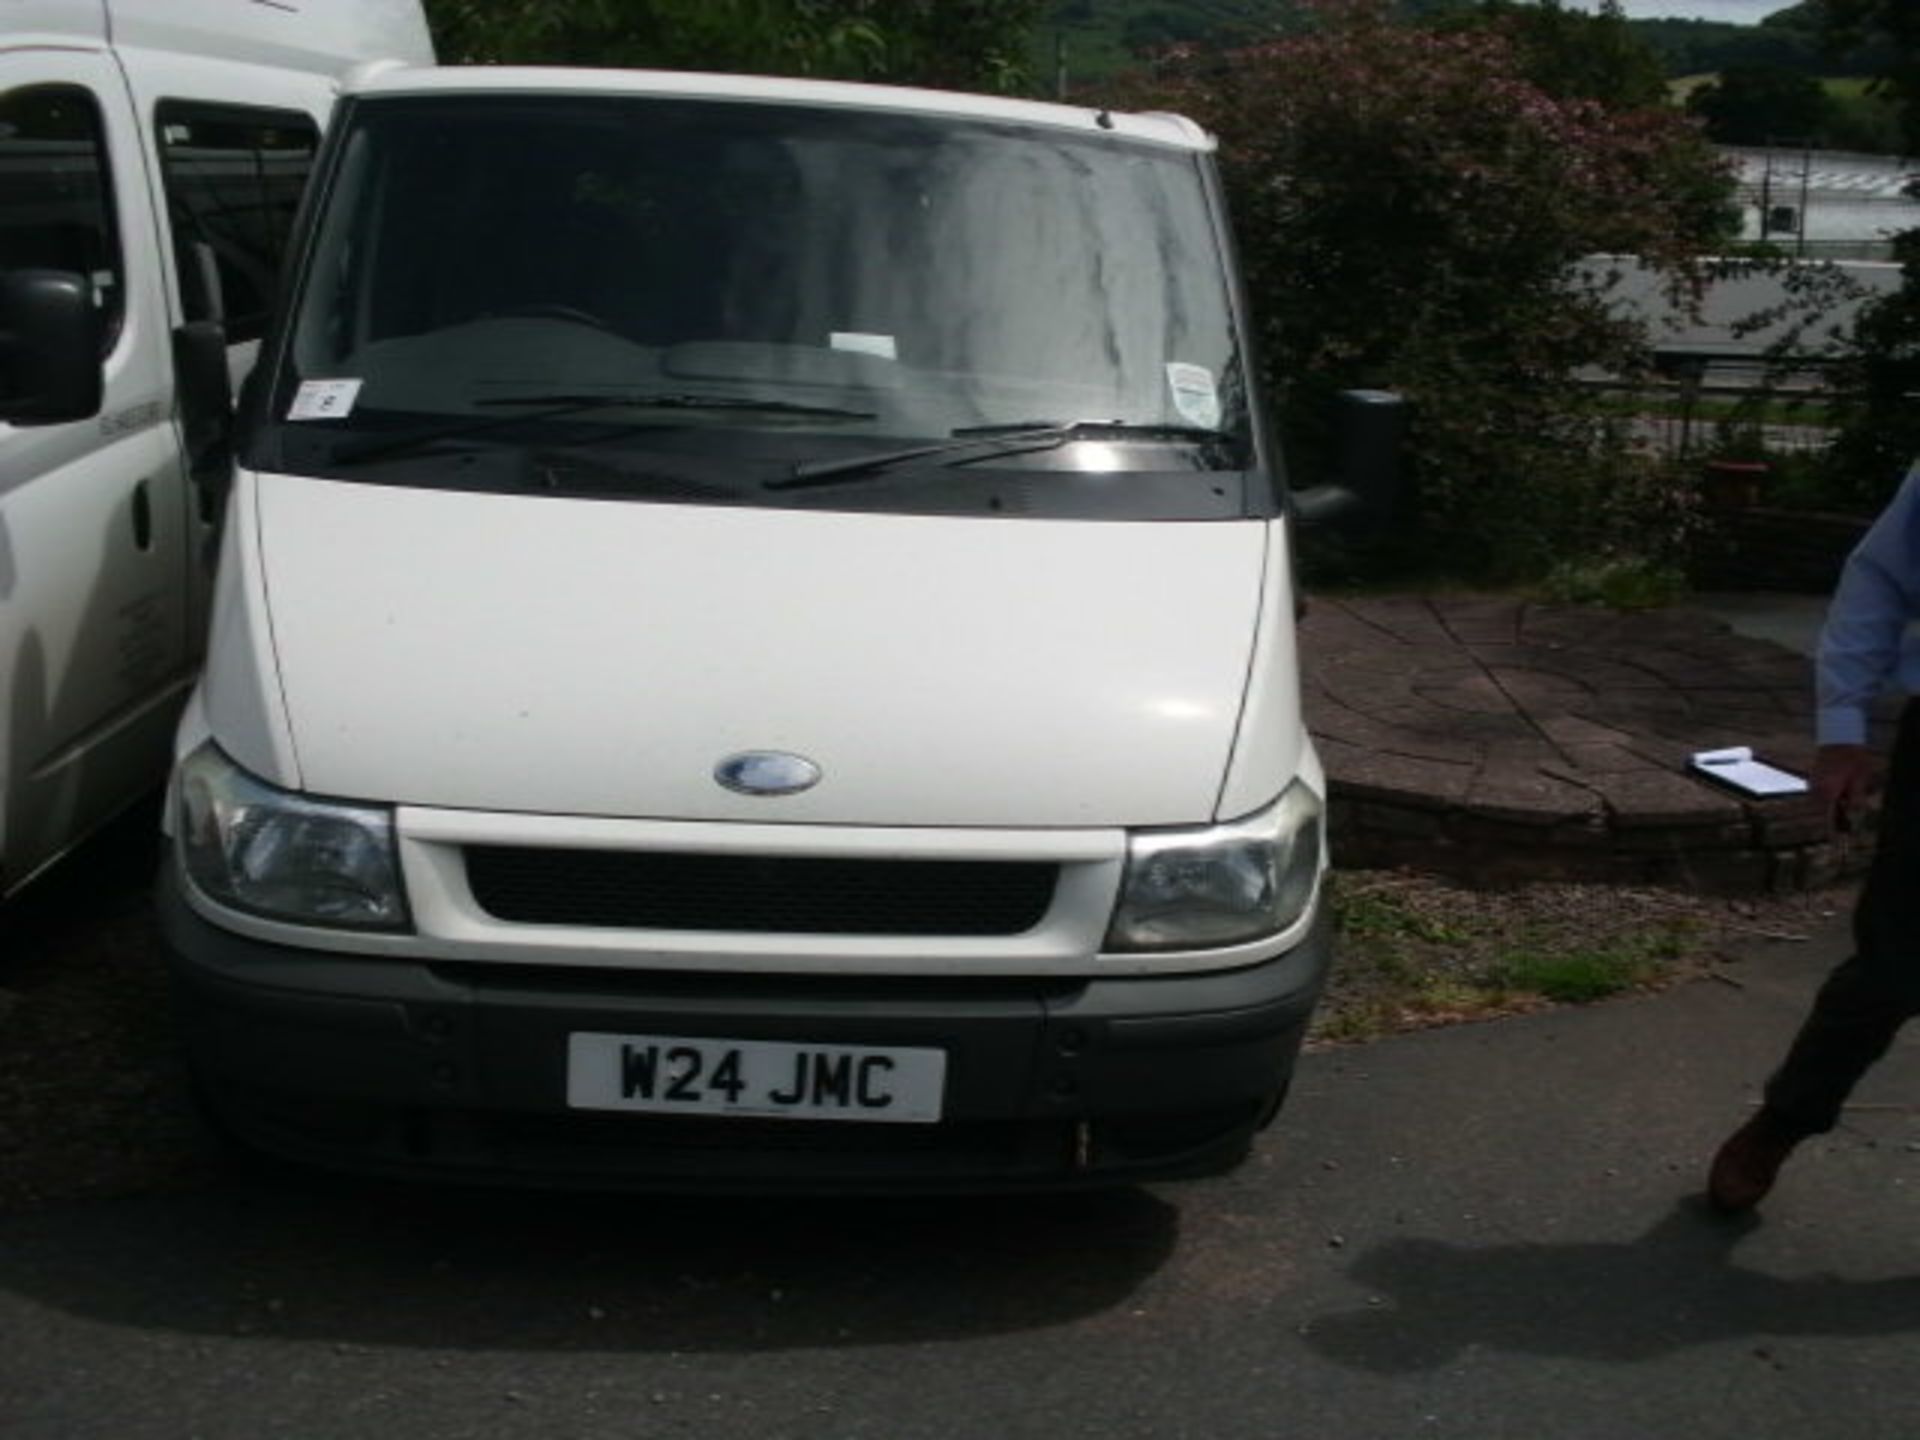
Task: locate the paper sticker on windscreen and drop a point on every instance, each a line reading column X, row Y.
column 1195, row 396
column 324, row 400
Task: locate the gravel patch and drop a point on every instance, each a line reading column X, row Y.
column 1415, row 951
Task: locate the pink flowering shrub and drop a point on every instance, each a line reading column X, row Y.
column 1409, row 207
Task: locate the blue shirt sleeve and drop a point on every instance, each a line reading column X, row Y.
column 1878, row 594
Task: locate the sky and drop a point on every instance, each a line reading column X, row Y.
column 1735, row 12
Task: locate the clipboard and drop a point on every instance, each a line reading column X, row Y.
column 1736, row 768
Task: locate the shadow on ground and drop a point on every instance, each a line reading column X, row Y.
column 115, row 1207
column 312, row 1258
column 1673, row 1288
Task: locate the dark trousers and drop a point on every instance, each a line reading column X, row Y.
column 1870, row 996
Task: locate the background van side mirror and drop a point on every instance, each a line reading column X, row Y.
column 50, row 342
column 205, row 403
column 1370, row 427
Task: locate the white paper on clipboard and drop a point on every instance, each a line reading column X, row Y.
column 1736, row 766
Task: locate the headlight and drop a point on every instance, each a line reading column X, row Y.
column 246, row 844
column 1200, row 889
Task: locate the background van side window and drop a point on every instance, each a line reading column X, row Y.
column 56, row 197
column 233, row 178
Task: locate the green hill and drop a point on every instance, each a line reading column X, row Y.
column 1101, row 37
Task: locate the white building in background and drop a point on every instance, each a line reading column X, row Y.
column 1740, row 320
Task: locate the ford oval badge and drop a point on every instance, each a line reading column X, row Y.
column 767, row 772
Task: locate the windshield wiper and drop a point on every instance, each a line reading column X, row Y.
column 1127, row 428
column 1012, row 438
column 676, row 400
column 567, row 471
column 554, row 406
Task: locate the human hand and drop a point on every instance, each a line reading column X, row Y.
column 1840, row 783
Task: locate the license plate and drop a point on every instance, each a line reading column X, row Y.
column 674, row 1075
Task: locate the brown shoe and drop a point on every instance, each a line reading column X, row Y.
column 1748, row 1163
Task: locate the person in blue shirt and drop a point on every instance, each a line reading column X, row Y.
column 1864, row 649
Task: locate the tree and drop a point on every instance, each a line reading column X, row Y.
column 1880, row 373
column 1411, row 208
column 1894, row 25
column 1574, row 55
column 1149, row 31
column 959, row 44
column 1759, row 103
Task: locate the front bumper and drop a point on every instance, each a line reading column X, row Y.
column 458, row 1071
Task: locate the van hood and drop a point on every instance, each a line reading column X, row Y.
column 584, row 657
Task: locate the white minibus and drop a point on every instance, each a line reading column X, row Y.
column 152, row 156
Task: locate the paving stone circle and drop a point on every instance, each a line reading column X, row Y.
column 1497, row 740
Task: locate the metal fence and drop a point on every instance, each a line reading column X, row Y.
column 1841, row 249
column 1703, row 408
column 1682, row 437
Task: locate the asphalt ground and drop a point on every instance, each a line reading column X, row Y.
column 1483, row 1231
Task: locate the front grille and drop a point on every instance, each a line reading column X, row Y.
column 762, row 894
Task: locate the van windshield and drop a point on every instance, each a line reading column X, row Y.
column 737, row 291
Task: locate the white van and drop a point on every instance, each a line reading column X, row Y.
column 753, row 646
column 152, row 154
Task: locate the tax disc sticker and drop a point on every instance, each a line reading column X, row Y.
column 1195, row 395
column 323, row 400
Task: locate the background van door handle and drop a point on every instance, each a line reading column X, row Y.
column 142, row 511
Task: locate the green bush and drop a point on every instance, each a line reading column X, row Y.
column 1879, row 377
column 1410, row 207
column 1628, row 582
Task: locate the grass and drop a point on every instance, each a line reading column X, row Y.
column 1627, row 583
column 1854, row 87
column 1380, row 914
column 1413, row 951
column 1593, row 972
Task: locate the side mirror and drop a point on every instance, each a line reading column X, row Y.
column 200, row 282
column 1370, row 427
column 50, row 334
column 205, row 391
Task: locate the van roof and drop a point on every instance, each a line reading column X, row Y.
column 325, row 37
column 554, row 80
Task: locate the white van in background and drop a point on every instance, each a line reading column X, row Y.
column 152, row 154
